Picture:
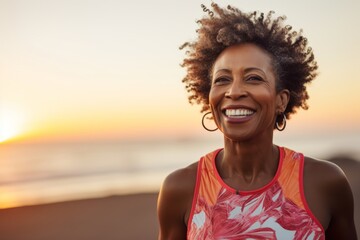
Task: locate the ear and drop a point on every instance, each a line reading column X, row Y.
column 282, row 100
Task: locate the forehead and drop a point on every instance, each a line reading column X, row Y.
column 242, row 56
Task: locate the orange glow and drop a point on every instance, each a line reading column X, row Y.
column 148, row 123
column 128, row 124
column 11, row 123
column 7, row 200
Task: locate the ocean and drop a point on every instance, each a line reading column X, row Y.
column 50, row 172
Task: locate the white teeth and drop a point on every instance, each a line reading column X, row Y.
column 238, row 112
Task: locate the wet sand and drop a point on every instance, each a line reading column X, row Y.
column 117, row 217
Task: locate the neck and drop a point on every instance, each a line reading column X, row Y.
column 249, row 159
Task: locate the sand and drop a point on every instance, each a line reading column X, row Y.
column 117, row 217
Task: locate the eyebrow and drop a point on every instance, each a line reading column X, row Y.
column 246, row 70
column 223, row 70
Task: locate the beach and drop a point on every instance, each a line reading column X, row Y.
column 114, row 217
column 57, row 207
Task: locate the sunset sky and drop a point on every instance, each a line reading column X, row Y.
column 73, row 70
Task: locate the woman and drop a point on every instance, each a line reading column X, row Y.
column 249, row 72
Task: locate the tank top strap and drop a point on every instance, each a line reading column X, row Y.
column 289, row 178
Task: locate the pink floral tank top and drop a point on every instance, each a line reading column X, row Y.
column 276, row 211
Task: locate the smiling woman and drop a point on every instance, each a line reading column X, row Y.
column 250, row 72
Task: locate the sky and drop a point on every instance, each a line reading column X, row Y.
column 75, row 70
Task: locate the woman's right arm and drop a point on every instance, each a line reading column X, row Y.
column 174, row 203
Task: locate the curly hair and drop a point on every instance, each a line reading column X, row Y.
column 292, row 59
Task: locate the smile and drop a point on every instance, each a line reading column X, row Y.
column 238, row 113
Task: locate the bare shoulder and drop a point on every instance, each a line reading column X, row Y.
column 181, row 180
column 330, row 198
column 174, row 202
column 326, row 179
column 177, row 190
column 323, row 171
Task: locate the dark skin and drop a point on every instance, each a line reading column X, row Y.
column 243, row 78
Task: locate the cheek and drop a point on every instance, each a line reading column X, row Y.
column 214, row 101
column 265, row 94
column 213, row 98
column 267, row 99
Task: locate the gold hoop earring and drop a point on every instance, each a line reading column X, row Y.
column 283, row 123
column 203, row 124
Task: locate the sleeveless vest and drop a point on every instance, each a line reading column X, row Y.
column 277, row 210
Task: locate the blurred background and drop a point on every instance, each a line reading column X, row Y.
column 92, row 104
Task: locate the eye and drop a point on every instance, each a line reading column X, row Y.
column 254, row 78
column 221, row 80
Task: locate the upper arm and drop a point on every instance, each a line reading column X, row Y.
column 341, row 204
column 330, row 198
column 174, row 202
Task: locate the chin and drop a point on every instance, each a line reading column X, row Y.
column 238, row 137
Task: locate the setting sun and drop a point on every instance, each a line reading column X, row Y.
column 10, row 123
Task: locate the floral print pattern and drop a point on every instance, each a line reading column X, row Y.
column 264, row 214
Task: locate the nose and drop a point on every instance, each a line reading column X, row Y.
column 236, row 90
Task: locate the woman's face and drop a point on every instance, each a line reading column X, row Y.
column 242, row 97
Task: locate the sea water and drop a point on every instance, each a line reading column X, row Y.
column 49, row 172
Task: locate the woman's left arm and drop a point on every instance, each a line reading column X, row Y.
column 341, row 203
